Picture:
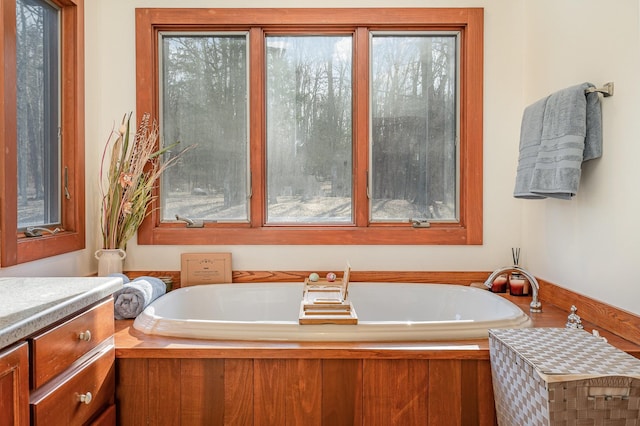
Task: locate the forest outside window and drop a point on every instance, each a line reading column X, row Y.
column 414, row 127
column 43, row 179
column 309, row 129
column 205, row 102
column 308, row 133
column 38, row 104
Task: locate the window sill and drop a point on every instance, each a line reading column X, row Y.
column 437, row 234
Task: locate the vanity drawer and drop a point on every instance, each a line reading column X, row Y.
column 56, row 349
column 60, row 402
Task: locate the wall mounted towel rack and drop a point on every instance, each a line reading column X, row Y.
column 606, row 89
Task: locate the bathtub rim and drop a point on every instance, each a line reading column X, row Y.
column 151, row 324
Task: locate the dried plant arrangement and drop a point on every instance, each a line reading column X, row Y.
column 128, row 179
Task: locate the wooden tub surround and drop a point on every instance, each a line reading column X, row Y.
column 173, row 381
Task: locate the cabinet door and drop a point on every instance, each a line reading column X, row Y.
column 14, row 386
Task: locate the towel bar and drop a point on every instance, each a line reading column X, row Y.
column 606, row 90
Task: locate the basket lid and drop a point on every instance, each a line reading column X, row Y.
column 559, row 352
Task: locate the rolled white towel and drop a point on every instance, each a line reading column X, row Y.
column 136, row 295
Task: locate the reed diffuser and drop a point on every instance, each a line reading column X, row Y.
column 518, row 285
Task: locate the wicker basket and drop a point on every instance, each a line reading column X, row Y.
column 562, row 377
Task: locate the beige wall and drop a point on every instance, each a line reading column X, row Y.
column 591, row 244
column 527, row 54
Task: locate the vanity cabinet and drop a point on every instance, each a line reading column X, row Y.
column 14, row 385
column 73, row 370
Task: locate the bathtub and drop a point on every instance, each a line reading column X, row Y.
column 386, row 312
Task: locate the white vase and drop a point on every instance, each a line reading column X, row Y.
column 110, row 261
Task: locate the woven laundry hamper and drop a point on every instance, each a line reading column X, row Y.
column 562, row 377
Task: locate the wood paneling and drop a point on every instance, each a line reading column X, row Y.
column 341, row 392
column 269, row 393
column 396, row 392
column 238, row 392
column 484, row 395
column 304, row 392
column 165, row 392
column 291, row 392
column 606, row 316
column 445, row 392
column 132, row 379
column 201, row 405
column 240, row 277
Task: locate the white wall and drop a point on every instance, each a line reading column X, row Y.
column 592, row 243
column 510, row 83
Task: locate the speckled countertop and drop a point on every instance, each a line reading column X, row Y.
column 32, row 303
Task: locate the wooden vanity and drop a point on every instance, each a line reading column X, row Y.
column 57, row 362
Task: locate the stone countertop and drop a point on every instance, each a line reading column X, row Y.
column 31, row 304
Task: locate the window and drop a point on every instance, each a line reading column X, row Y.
column 413, row 127
column 316, row 126
column 205, row 102
column 42, row 184
column 37, row 54
column 309, row 133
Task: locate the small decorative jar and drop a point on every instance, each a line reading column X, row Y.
column 499, row 285
column 518, row 285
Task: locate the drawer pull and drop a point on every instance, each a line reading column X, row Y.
column 85, row 397
column 85, row 336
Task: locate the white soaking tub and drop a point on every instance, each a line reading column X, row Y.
column 386, row 312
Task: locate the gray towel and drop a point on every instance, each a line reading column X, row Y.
column 570, row 133
column 136, row 295
column 530, row 139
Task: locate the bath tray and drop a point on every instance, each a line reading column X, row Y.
column 321, row 313
column 325, row 302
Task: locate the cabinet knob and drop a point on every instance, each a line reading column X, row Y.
column 85, row 336
column 85, row 397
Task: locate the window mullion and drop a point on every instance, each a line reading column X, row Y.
column 361, row 125
column 257, row 122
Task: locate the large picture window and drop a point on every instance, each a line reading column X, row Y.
column 316, row 126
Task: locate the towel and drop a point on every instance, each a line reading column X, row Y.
column 136, row 295
column 570, row 132
column 530, row 139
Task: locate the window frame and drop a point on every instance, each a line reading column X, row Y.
column 259, row 22
column 15, row 247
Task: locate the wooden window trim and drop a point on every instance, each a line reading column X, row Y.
column 15, row 247
column 150, row 21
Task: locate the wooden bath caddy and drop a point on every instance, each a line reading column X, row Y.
column 325, row 302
